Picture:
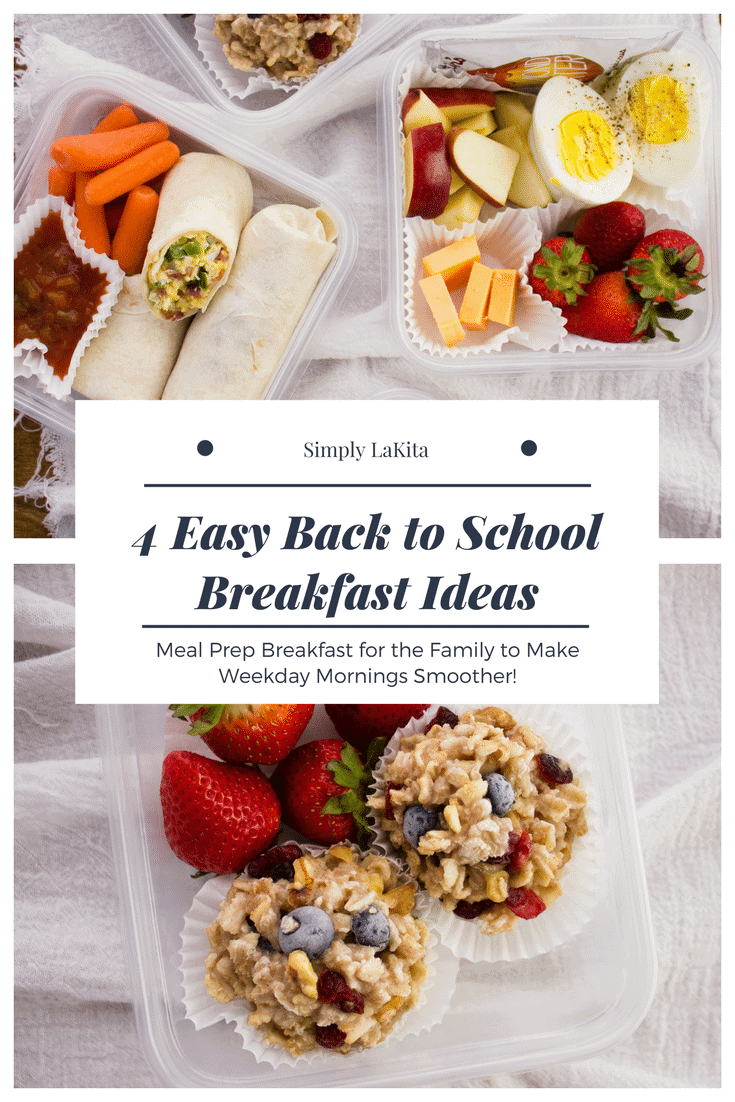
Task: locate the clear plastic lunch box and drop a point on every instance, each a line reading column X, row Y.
column 581, row 998
column 80, row 103
column 698, row 335
column 290, row 103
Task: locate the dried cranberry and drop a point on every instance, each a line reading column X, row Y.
column 446, row 716
column 331, row 987
column 553, row 770
column 276, row 863
column 388, row 805
column 320, row 45
column 306, row 18
column 524, row 902
column 329, row 1036
column 520, row 849
column 472, row 910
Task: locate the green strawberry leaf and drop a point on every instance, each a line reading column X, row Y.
column 342, row 775
column 211, row 717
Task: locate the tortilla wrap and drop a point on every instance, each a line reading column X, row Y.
column 234, row 350
column 205, row 202
column 133, row 355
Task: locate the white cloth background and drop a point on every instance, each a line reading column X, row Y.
column 354, row 356
column 74, row 1018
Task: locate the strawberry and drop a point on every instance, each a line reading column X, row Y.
column 322, row 785
column 216, row 816
column 258, row 733
column 560, row 271
column 610, row 232
column 666, row 266
column 361, row 723
column 612, row 311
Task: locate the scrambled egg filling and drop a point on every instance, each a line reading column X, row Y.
column 181, row 279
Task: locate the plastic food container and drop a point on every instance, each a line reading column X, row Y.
column 494, row 45
column 322, row 94
column 579, row 999
column 78, row 106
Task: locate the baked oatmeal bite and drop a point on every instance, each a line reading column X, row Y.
column 288, row 47
column 324, row 948
column 485, row 816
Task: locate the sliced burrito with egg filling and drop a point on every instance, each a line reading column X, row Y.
column 133, row 355
column 205, row 202
column 234, row 349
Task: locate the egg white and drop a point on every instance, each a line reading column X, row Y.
column 672, row 163
column 558, row 98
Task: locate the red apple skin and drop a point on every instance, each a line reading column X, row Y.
column 432, row 176
column 408, row 101
column 450, row 97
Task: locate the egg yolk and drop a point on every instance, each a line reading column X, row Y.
column 659, row 108
column 587, row 145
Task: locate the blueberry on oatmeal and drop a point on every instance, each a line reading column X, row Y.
column 366, row 976
column 500, row 793
column 509, row 815
column 307, row 928
column 371, row 927
column 418, row 821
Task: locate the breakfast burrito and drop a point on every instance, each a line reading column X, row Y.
column 233, row 351
column 205, row 202
column 133, row 355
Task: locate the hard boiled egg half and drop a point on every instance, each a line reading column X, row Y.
column 657, row 100
column 579, row 149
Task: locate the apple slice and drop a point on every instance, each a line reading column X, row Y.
column 428, row 175
column 456, row 184
column 420, row 111
column 459, row 103
column 485, row 165
column 513, row 109
column 463, row 206
column 484, row 123
column 527, row 188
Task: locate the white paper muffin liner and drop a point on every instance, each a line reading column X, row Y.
column 29, row 355
column 204, row 1011
column 580, row 879
column 240, row 84
column 508, row 240
column 561, row 216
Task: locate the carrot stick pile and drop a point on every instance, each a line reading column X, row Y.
column 105, row 174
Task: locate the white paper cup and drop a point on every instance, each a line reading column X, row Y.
column 580, row 879
column 433, row 1001
column 238, row 83
column 508, row 240
column 561, row 217
column 29, row 356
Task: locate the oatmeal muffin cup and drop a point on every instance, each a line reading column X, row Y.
column 310, row 951
column 286, row 48
column 486, row 820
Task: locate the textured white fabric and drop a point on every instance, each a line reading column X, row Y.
column 355, row 355
column 74, row 1019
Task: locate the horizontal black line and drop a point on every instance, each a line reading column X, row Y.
column 361, row 627
column 367, row 485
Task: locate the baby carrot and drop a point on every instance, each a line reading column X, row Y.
column 130, row 243
column 61, row 182
column 91, row 152
column 119, row 118
column 138, row 169
column 91, row 220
